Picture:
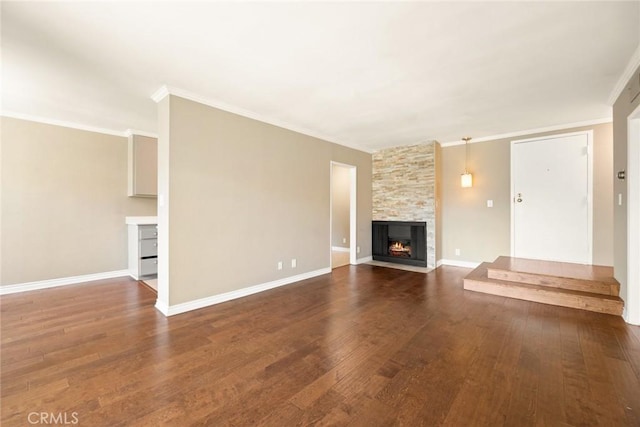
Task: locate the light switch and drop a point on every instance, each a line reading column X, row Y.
column 489, row 203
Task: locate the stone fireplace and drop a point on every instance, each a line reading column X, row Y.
column 406, row 189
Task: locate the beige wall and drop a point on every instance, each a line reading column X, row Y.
column 340, row 201
column 244, row 195
column 622, row 108
column 482, row 233
column 64, row 199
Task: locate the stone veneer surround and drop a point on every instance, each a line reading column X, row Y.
column 405, row 188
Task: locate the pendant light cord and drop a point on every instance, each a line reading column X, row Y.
column 466, row 140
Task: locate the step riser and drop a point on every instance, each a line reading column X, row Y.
column 592, row 286
column 546, row 297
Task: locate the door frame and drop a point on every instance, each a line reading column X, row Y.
column 589, row 135
column 353, row 173
column 631, row 312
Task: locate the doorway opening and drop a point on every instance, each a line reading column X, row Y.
column 342, row 215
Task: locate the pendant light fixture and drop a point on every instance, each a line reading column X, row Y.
column 466, row 179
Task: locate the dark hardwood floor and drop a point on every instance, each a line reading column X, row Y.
column 364, row 346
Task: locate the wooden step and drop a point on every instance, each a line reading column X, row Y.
column 478, row 281
column 578, row 277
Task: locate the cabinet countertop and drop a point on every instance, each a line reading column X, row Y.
column 141, row 220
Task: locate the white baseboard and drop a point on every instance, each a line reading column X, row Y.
column 63, row 281
column 458, row 263
column 339, row 249
column 632, row 320
column 171, row 310
column 162, row 307
column 364, row 260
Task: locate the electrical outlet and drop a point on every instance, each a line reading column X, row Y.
column 279, row 265
column 489, row 203
column 344, row 240
column 457, row 252
column 294, row 263
column 358, row 249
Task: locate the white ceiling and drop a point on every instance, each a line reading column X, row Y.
column 363, row 74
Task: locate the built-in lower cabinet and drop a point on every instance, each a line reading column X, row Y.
column 143, row 249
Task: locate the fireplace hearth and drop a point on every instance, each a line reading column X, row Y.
column 402, row 242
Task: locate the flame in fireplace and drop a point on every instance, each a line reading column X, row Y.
column 397, row 246
column 399, row 249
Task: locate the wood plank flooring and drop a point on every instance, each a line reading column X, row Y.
column 364, row 345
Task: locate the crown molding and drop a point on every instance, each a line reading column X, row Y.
column 63, row 123
column 166, row 90
column 634, row 63
column 529, row 132
column 131, row 132
column 74, row 125
column 160, row 94
column 412, row 144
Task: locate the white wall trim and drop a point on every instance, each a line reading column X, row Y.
column 364, row 260
column 63, row 281
column 353, row 215
column 62, row 123
column 162, row 307
column 632, row 65
column 228, row 296
column 160, row 94
column 413, row 144
column 555, row 135
column 530, row 132
column 131, row 132
column 339, row 249
column 163, row 211
column 631, row 312
column 166, row 90
column 458, row 263
column 439, row 263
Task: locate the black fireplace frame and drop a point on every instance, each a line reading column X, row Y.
column 380, row 241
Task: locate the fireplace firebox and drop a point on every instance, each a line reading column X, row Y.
column 402, row 242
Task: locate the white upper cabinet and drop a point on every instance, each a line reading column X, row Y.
column 143, row 166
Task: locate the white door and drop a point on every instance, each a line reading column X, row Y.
column 551, row 185
column 632, row 298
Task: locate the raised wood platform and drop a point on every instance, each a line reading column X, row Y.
column 585, row 287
